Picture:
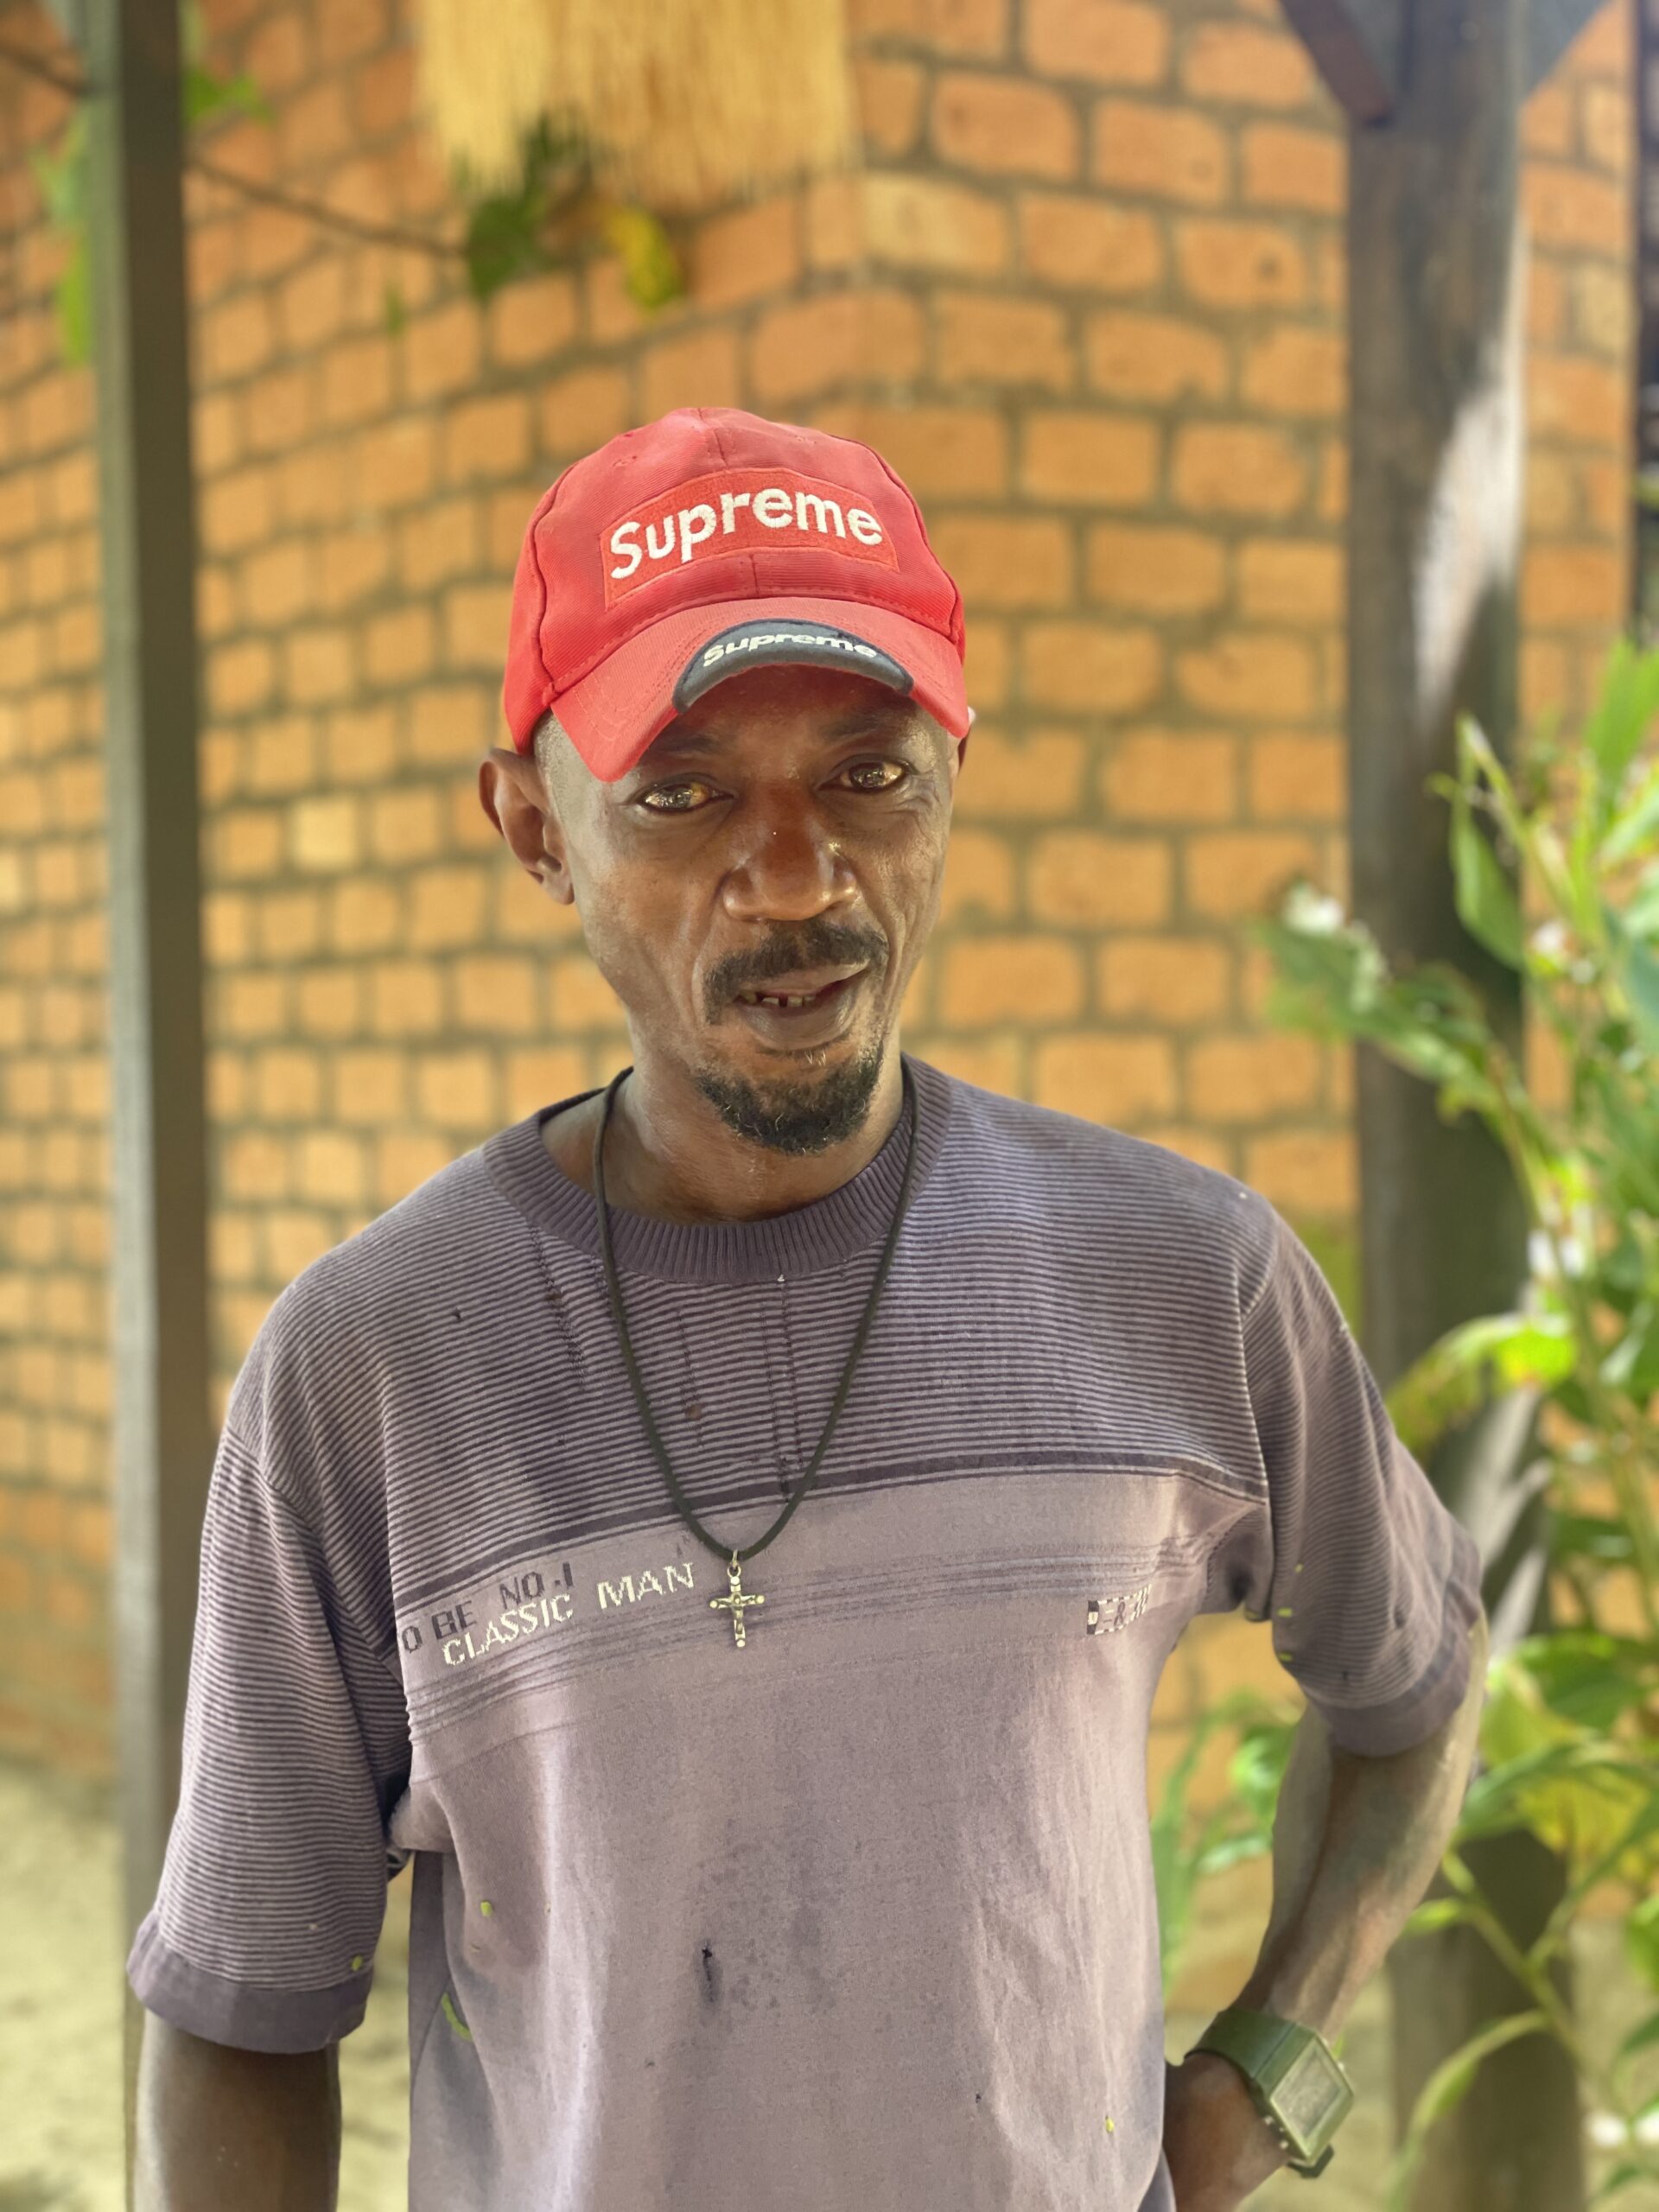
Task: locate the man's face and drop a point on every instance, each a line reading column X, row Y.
column 790, row 826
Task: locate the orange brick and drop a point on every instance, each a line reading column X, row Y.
column 1285, row 167
column 979, row 879
column 1291, row 580
column 311, row 305
column 1107, row 41
column 384, row 91
column 239, row 677
column 486, row 439
column 351, row 563
column 1297, row 370
column 314, row 484
column 1155, row 570
column 1167, row 152
column 1134, row 356
column 1004, row 125
column 581, row 998
column 1310, row 1171
column 1116, row 1080
column 582, row 410
column 1082, row 877
column 815, row 344
column 1036, row 776
column 1006, row 560
column 318, row 665
column 1090, row 667
column 365, row 915
column 1257, row 675
column 405, row 998
column 325, row 834
column 1580, row 402
column 395, row 463
column 475, row 627
column 1602, row 305
column 977, row 27
column 1081, row 244
column 398, row 646
column 405, row 824
column 235, row 337
column 1091, row 459
column 1241, row 64
column 1164, row 775
column 287, row 1085
column 985, row 338
column 698, row 369
column 890, row 96
column 1027, row 979
column 1552, row 501
column 1568, row 586
column 1249, row 1079
column 1547, row 119
column 1608, row 126
column 239, row 510
column 533, row 320
column 541, row 1079
column 1298, row 777
column 447, row 908
column 1236, row 872
column 1570, row 208
column 1172, row 981
column 948, row 451
column 1224, row 263
column 1237, row 468
column 747, row 254
column 922, row 223
column 440, row 351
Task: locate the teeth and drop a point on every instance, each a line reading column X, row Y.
column 776, row 998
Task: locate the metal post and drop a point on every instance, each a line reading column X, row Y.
column 164, row 1435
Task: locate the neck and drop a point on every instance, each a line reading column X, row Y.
column 670, row 1154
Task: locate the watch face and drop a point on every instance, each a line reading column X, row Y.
column 1311, row 2094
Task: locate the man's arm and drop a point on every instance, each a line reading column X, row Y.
column 217, row 2126
column 1355, row 1842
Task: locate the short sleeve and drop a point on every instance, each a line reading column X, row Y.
column 273, row 1887
column 1370, row 1583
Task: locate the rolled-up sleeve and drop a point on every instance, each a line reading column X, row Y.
column 1370, row 1583
column 273, row 1888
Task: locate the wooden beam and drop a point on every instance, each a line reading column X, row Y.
column 1436, row 341
column 1359, row 45
column 163, row 1427
column 1356, row 48
column 1552, row 26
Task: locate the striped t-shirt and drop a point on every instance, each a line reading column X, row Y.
column 861, row 1913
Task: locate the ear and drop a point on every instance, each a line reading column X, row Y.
column 511, row 793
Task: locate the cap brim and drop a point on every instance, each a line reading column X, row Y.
column 612, row 713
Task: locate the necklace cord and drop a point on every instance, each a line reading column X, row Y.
column 613, row 1285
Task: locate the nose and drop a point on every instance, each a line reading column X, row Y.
column 791, row 866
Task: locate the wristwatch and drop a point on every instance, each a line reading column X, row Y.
column 1296, row 2080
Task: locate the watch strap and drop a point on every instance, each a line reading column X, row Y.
column 1266, row 2048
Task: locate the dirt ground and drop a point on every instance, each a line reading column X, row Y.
column 60, row 2143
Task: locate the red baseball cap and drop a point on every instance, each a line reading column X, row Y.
column 711, row 541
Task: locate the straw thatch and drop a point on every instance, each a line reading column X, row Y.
column 686, row 102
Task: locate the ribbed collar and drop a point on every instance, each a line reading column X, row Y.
column 807, row 1240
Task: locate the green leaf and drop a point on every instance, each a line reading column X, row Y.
column 650, row 268
column 1634, row 825
column 73, row 299
column 1641, row 1949
column 1628, row 702
column 1434, row 1913
column 1447, row 2087
column 1456, row 1376
column 1644, row 2036
column 1621, row 2177
column 1591, row 1535
column 1485, row 901
column 205, row 95
column 395, row 313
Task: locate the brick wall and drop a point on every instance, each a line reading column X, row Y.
column 1087, row 293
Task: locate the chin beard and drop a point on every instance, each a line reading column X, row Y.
column 801, row 1117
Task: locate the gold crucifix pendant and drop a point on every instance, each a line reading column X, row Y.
column 735, row 1602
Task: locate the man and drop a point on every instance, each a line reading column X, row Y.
column 728, row 1528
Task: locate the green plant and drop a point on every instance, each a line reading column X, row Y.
column 549, row 217
column 1569, row 1735
column 1188, row 1844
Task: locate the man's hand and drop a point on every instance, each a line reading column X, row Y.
column 1219, row 2147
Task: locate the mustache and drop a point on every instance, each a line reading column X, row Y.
column 833, row 945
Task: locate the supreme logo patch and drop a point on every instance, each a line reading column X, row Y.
column 739, row 511
column 759, row 644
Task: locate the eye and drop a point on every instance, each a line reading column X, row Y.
column 860, row 767
column 667, row 791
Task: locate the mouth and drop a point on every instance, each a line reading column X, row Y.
column 812, row 1007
